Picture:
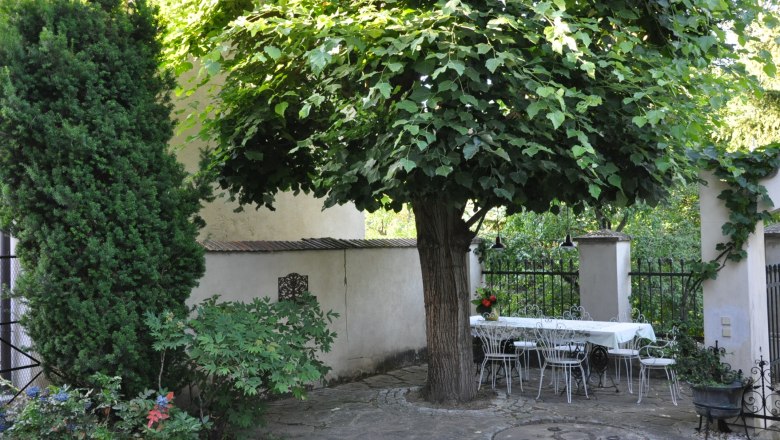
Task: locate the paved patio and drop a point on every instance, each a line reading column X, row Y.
column 383, row 407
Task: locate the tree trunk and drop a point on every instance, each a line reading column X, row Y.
column 443, row 240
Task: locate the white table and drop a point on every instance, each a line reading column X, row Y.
column 605, row 333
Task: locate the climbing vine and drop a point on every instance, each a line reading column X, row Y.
column 746, row 199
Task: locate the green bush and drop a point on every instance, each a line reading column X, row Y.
column 239, row 354
column 99, row 413
column 104, row 219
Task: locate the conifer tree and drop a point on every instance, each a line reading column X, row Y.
column 105, row 220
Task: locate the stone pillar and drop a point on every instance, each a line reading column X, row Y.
column 772, row 244
column 605, row 261
column 735, row 303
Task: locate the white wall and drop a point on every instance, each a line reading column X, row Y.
column 377, row 292
column 295, row 217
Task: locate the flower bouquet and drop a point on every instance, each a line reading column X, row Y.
column 487, row 304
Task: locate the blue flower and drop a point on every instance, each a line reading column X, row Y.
column 162, row 402
column 33, row 391
column 3, row 426
column 61, row 396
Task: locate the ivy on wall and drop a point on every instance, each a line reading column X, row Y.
column 741, row 171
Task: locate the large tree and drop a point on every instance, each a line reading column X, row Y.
column 97, row 201
column 438, row 103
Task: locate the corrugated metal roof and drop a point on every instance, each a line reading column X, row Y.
column 306, row 244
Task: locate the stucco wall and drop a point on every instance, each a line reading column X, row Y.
column 295, row 217
column 377, row 293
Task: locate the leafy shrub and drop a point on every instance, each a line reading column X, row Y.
column 97, row 201
column 98, row 413
column 240, row 353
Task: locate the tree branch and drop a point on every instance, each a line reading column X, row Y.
column 479, row 215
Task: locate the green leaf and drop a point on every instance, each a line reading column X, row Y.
column 578, row 150
column 443, row 170
column 534, row 108
column 557, row 117
column 408, row 165
column 500, row 152
column 408, row 106
column 483, row 48
column 545, row 91
column 590, row 68
column 639, row 121
column 594, row 190
column 304, row 111
column 470, row 150
column 614, row 180
column 770, row 69
column 394, row 67
column 280, row 108
column 318, row 59
column 384, row 89
column 273, row 52
column 626, row 46
column 457, row 66
column 492, row 64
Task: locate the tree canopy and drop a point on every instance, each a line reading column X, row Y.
column 445, row 103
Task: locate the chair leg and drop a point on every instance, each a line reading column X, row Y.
column 585, row 382
column 541, row 380
column 629, row 374
column 642, row 372
column 508, row 374
column 481, row 372
column 670, row 377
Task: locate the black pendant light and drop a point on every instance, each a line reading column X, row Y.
column 567, row 244
column 498, row 246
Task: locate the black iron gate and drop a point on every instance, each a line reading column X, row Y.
column 773, row 316
column 18, row 367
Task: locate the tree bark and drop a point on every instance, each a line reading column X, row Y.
column 443, row 240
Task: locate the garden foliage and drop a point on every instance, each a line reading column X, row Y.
column 104, row 218
column 239, row 354
column 98, row 413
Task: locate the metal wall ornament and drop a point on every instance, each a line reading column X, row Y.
column 292, row 286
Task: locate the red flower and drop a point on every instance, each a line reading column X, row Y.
column 492, row 298
column 486, row 302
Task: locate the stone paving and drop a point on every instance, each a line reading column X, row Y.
column 377, row 408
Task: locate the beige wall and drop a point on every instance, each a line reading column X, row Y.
column 377, row 293
column 295, row 217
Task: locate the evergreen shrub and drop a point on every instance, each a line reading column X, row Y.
column 105, row 221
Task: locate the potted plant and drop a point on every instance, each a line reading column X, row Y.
column 487, row 303
column 717, row 389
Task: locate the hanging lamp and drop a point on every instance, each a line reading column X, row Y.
column 567, row 244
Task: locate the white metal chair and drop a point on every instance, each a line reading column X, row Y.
column 628, row 352
column 526, row 345
column 575, row 313
column 658, row 356
column 560, row 361
column 495, row 337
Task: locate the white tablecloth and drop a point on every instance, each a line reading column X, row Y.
column 607, row 333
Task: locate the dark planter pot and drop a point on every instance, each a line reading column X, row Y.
column 718, row 401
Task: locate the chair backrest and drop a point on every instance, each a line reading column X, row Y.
column 549, row 337
column 661, row 348
column 633, row 316
column 577, row 313
column 495, row 336
column 531, row 311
